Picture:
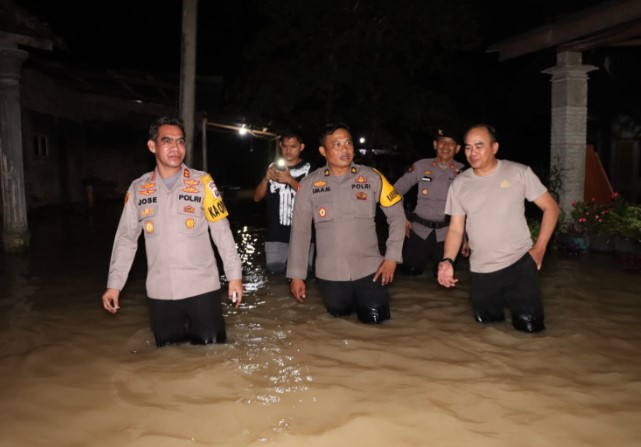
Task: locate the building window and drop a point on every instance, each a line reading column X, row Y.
column 40, row 146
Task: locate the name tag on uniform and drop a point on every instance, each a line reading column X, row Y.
column 427, row 179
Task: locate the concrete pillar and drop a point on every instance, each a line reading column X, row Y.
column 569, row 124
column 188, row 74
column 15, row 234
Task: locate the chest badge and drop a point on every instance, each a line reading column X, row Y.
column 320, row 183
column 322, row 212
column 425, row 191
column 189, row 223
column 147, row 192
column 147, row 212
column 190, row 189
column 361, row 179
column 189, row 209
column 149, row 227
column 361, row 196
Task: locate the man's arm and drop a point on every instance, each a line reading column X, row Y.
column 226, row 245
column 453, row 241
column 551, row 213
column 261, row 189
column 300, row 238
column 123, row 252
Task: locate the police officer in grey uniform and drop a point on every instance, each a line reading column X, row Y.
column 427, row 226
column 177, row 208
column 340, row 199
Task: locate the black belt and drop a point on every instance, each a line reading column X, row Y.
column 433, row 224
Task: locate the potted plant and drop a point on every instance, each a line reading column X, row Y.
column 586, row 220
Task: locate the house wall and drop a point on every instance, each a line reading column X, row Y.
column 89, row 139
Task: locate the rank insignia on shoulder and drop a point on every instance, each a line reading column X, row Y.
column 189, row 223
column 360, row 179
column 186, row 173
column 354, row 170
column 326, row 172
column 361, row 196
column 320, row 184
column 127, row 197
column 410, row 169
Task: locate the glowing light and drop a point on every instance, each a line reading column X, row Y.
column 242, row 130
column 361, row 140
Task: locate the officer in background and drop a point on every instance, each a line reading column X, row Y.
column 340, row 199
column 177, row 208
column 426, row 227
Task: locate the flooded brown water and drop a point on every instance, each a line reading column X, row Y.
column 73, row 375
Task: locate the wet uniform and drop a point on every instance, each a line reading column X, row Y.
column 343, row 211
column 429, row 223
column 181, row 267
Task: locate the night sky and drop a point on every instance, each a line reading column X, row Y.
column 512, row 95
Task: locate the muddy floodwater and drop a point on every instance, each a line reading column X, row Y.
column 291, row 375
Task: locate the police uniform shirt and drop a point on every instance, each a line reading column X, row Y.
column 342, row 210
column 433, row 183
column 176, row 223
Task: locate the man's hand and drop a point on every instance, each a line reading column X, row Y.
column 110, row 300
column 465, row 248
column 385, row 271
column 297, row 287
column 408, row 228
column 446, row 274
column 235, row 286
column 537, row 254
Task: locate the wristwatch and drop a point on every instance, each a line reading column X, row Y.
column 449, row 261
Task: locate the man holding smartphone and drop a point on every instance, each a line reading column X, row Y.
column 279, row 185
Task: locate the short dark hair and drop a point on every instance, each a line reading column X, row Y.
column 165, row 121
column 290, row 133
column 490, row 130
column 330, row 129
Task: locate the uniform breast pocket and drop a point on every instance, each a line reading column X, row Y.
column 147, row 218
column 323, row 212
column 191, row 218
column 363, row 204
column 150, row 227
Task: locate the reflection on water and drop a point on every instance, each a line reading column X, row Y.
column 290, row 375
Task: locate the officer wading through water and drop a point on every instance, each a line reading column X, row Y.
column 340, row 199
column 177, row 209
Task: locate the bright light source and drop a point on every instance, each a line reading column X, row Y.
column 361, row 140
column 242, row 130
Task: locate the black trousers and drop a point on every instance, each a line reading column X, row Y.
column 515, row 287
column 417, row 252
column 370, row 300
column 198, row 319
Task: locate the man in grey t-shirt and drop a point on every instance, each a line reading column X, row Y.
column 487, row 202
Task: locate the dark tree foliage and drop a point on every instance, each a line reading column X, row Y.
column 387, row 67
